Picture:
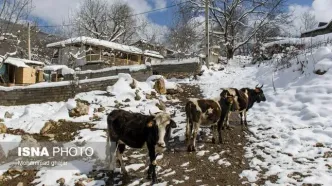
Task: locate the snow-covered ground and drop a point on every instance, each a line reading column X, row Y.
column 293, row 127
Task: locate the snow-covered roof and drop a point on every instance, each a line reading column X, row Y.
column 55, row 67
column 215, row 46
column 318, row 28
column 96, row 42
column 152, row 53
column 18, row 62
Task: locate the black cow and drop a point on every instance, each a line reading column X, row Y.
column 136, row 130
column 244, row 99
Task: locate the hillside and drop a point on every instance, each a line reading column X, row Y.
column 39, row 40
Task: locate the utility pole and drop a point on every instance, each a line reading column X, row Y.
column 207, row 33
column 29, row 45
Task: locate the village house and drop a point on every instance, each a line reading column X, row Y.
column 144, row 45
column 92, row 54
column 323, row 28
column 16, row 71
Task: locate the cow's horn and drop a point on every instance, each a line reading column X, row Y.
column 257, row 86
column 173, row 115
column 150, row 113
column 262, row 86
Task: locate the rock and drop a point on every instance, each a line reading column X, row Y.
column 159, row 86
column 81, row 109
column 47, row 127
column 133, row 85
column 274, row 136
column 2, row 120
column 328, row 154
column 172, row 91
column 101, row 109
column 61, row 181
column 127, row 100
column 95, row 110
column 319, row 145
column 50, row 135
column 161, row 105
column 180, row 90
column 148, row 96
column 14, row 171
column 169, row 97
column 20, row 184
column 153, row 94
column 137, row 97
column 79, row 183
column 3, row 128
column 8, row 115
column 2, row 178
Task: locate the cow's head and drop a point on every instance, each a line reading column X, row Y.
column 227, row 96
column 259, row 94
column 164, row 122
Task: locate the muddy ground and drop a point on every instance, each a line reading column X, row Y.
column 211, row 164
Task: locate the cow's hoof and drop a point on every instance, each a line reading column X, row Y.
column 191, row 148
column 213, row 141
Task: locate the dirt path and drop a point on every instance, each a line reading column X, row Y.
column 210, row 165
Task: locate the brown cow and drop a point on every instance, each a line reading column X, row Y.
column 244, row 99
column 203, row 113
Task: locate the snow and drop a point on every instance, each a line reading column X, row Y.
column 318, row 28
column 308, row 41
column 297, row 115
column 96, row 42
column 153, row 54
column 55, row 67
column 132, row 68
column 18, row 62
column 181, row 61
column 134, row 167
column 55, row 84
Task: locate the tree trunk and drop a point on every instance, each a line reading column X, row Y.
column 230, row 53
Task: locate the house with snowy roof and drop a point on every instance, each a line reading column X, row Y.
column 323, row 28
column 145, row 45
column 92, row 54
column 17, row 71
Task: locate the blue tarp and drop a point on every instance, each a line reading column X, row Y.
column 3, row 69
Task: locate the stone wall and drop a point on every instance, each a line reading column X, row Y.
column 27, row 96
column 181, row 70
column 59, row 91
column 139, row 75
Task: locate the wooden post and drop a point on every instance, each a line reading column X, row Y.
column 29, row 45
column 127, row 59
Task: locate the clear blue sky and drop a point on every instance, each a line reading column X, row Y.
column 165, row 17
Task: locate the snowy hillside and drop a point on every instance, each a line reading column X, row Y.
column 294, row 127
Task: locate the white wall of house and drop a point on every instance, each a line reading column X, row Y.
column 152, row 60
column 64, row 55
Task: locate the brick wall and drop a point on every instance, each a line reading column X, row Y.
column 177, row 70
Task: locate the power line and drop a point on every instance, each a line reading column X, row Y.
column 147, row 12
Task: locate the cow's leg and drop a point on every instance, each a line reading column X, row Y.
column 227, row 125
column 188, row 131
column 214, row 133
column 242, row 123
column 245, row 118
column 152, row 167
column 119, row 153
column 219, row 126
column 195, row 132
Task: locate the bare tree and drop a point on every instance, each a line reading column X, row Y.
column 183, row 33
column 98, row 19
column 308, row 20
column 240, row 20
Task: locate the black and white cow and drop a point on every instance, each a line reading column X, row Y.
column 136, row 130
column 244, row 99
column 203, row 113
